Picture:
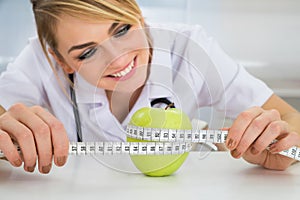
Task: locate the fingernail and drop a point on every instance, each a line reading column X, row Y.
column 254, row 151
column 231, row 143
column 30, row 169
column 61, row 160
column 235, row 153
column 18, row 162
column 46, row 169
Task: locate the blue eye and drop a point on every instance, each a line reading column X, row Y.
column 122, row 31
column 87, row 54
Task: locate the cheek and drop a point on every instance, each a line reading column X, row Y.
column 134, row 41
column 144, row 55
column 93, row 75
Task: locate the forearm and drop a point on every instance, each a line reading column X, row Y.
column 293, row 119
column 287, row 112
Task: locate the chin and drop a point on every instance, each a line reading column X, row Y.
column 128, row 87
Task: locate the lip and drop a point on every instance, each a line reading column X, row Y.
column 127, row 76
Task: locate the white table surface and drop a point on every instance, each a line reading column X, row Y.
column 215, row 176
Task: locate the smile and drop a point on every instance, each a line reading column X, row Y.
column 125, row 71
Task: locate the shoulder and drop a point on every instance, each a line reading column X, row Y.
column 177, row 27
column 31, row 65
column 191, row 31
column 36, row 51
column 32, row 58
column 182, row 38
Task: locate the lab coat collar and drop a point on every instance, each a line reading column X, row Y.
column 160, row 82
column 160, row 79
column 88, row 93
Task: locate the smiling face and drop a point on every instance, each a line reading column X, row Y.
column 113, row 56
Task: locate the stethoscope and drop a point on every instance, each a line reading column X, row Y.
column 153, row 102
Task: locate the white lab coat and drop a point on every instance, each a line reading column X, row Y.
column 188, row 67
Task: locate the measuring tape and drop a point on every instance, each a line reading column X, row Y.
column 163, row 142
column 192, row 136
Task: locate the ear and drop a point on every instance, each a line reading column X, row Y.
column 61, row 62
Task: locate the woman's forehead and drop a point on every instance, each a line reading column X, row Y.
column 71, row 30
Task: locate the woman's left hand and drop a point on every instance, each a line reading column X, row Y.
column 254, row 130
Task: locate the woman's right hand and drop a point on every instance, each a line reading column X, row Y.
column 38, row 133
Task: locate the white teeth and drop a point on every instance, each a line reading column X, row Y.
column 125, row 71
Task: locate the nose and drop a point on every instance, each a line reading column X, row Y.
column 117, row 56
column 120, row 61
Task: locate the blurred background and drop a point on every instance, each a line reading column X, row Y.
column 263, row 35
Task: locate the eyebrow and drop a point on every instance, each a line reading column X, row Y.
column 112, row 27
column 81, row 46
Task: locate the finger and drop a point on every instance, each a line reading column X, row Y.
column 59, row 136
column 9, row 149
column 41, row 133
column 240, row 125
column 273, row 130
column 42, row 137
column 24, row 138
column 268, row 160
column 254, row 131
column 258, row 159
column 289, row 140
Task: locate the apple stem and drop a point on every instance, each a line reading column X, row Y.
column 171, row 105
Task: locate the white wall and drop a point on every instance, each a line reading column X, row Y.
column 16, row 22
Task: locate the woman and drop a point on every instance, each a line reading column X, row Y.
column 113, row 63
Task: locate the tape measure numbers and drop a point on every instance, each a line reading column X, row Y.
column 163, row 142
column 176, row 135
column 193, row 136
column 131, row 148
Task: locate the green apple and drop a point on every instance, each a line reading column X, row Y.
column 169, row 118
